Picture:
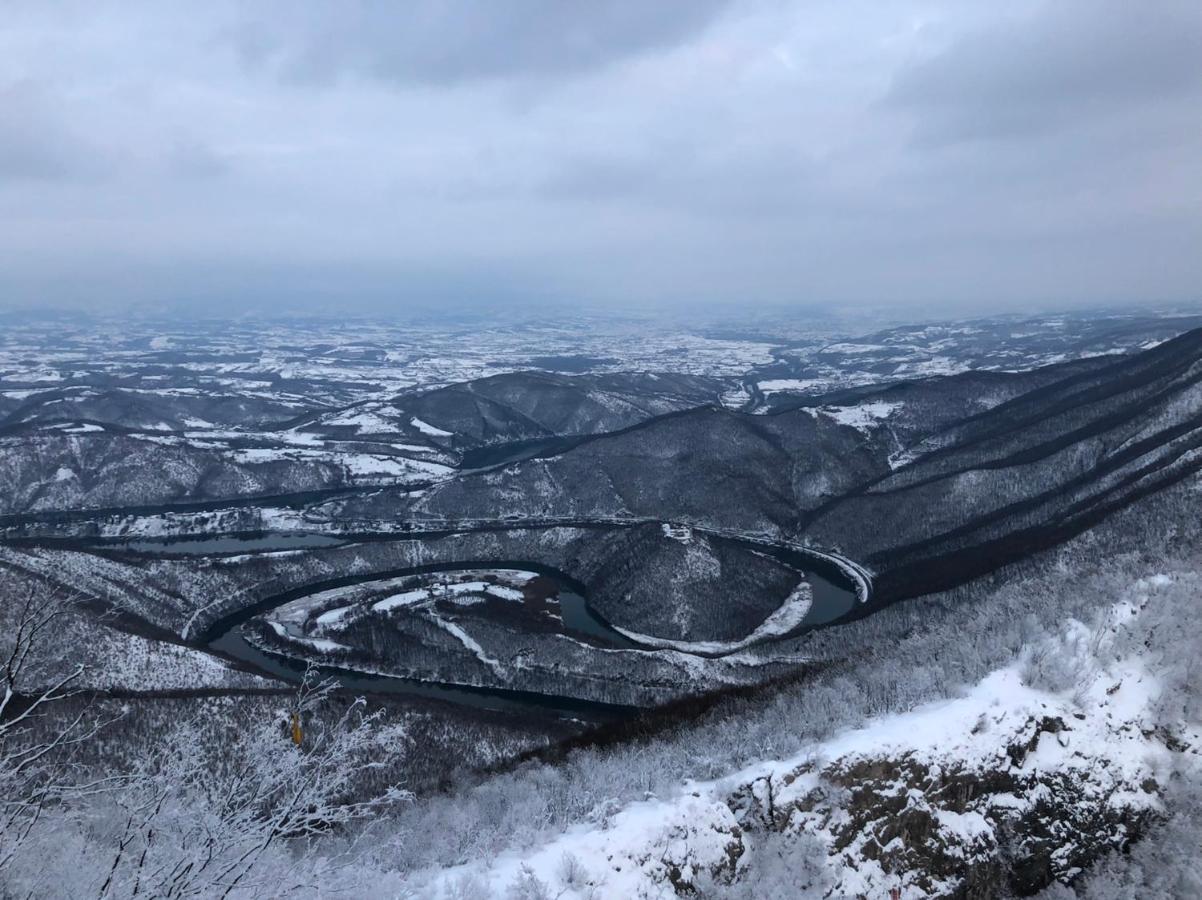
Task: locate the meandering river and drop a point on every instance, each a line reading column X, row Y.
column 835, row 595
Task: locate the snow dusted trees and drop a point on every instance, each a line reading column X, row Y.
column 189, row 818
column 33, row 774
column 778, row 866
column 198, row 821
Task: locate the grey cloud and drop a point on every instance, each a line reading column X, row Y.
column 36, row 145
column 1070, row 62
column 192, row 158
column 744, row 152
column 443, row 42
column 764, row 184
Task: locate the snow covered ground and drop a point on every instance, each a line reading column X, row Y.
column 864, row 416
column 784, row 619
column 328, row 612
column 916, row 801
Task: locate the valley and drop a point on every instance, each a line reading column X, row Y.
column 530, row 450
column 704, row 530
column 528, row 561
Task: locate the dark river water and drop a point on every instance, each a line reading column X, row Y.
column 225, row 638
column 833, row 598
column 211, row 546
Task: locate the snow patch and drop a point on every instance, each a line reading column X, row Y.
column 427, row 428
column 863, row 417
column 788, row 616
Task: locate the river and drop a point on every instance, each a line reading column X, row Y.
column 834, row 596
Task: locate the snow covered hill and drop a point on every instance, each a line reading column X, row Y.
column 1036, row 771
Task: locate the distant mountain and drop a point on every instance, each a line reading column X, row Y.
column 1027, row 473
column 707, row 465
column 523, row 406
column 166, row 409
column 929, row 483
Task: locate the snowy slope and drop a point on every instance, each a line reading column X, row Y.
column 926, row 801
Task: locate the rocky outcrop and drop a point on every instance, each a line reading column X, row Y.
column 952, row 830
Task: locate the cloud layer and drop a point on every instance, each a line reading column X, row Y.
column 448, row 42
column 381, row 156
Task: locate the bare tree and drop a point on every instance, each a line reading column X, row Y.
column 34, row 774
column 190, row 817
column 200, row 821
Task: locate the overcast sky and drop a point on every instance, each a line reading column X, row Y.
column 943, row 155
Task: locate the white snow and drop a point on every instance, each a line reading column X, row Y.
column 937, row 365
column 367, row 465
column 848, row 347
column 464, row 638
column 681, row 533
column 333, row 616
column 864, row 416
column 461, row 593
column 319, row 644
column 902, row 458
column 360, row 466
column 427, row 428
column 504, row 593
column 629, row 851
column 777, row 385
column 786, row 617
column 404, row 598
column 366, row 421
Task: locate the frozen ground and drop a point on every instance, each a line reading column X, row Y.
column 331, row 366
column 1097, row 744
